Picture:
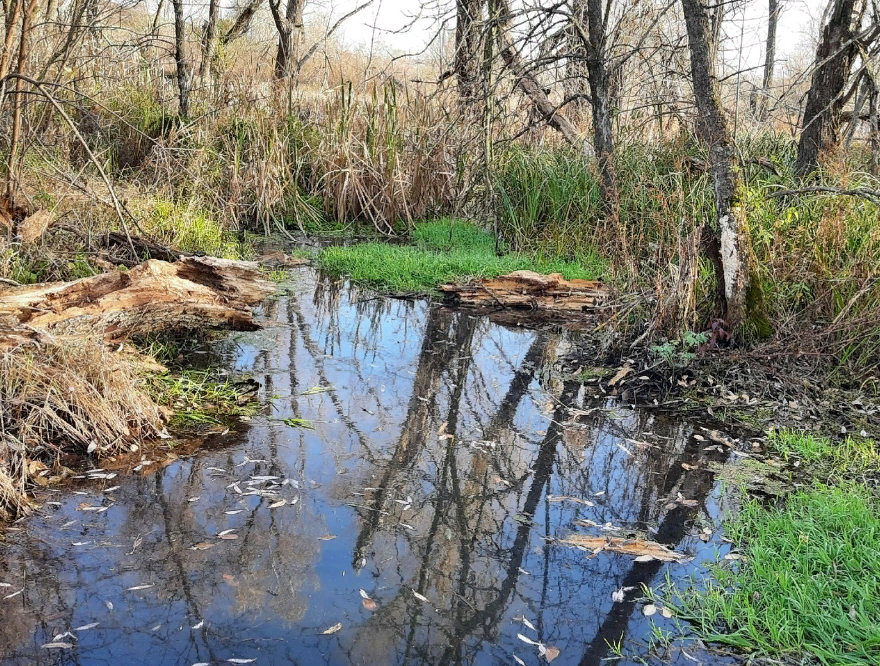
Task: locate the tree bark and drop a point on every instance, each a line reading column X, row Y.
column 193, row 293
column 209, row 40
column 874, row 113
column 834, row 59
column 18, row 99
column 600, row 100
column 741, row 293
column 289, row 31
column 769, row 58
column 183, row 68
column 242, row 22
column 468, row 51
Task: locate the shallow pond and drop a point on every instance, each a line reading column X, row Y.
column 414, row 524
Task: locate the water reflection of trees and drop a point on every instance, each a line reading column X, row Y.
column 459, row 428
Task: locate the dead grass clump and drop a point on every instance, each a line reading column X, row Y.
column 74, row 396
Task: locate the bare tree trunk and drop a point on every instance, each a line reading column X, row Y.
column 183, row 69
column 874, row 114
column 468, row 50
column 289, row 31
column 528, row 84
column 742, row 295
column 12, row 10
column 769, row 58
column 209, row 40
column 600, row 101
column 242, row 22
column 834, row 60
column 576, row 72
column 23, row 49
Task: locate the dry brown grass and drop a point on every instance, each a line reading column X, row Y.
column 60, row 398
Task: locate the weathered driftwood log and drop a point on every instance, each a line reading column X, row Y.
column 194, row 292
column 527, row 289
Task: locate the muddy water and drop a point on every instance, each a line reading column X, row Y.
column 427, row 484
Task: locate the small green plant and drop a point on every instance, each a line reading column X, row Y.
column 679, row 353
column 298, row 423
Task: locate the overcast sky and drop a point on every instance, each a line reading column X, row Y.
column 394, row 15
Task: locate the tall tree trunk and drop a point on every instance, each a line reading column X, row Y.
column 209, row 40
column 183, row 69
column 834, row 60
column 527, row 83
column 769, row 58
column 576, row 72
column 742, row 295
column 469, row 50
column 242, row 22
column 18, row 100
column 600, row 101
column 289, row 31
column 874, row 115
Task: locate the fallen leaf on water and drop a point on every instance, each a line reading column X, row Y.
column 5, row 584
column 224, row 532
column 551, row 653
column 193, row 499
column 420, row 597
column 519, row 661
column 333, row 629
column 364, row 594
column 232, row 513
column 733, row 556
column 139, row 587
column 229, row 579
column 227, row 536
column 649, row 610
column 199, row 625
column 65, row 646
column 666, row 612
column 642, row 549
column 526, row 639
column 620, row 594
column 109, row 605
column 278, row 504
column 204, row 545
column 86, row 626
column 240, row 661
column 526, row 622
column 14, row 594
column 561, row 498
column 369, row 604
column 327, row 537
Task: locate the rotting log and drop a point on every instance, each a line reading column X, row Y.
column 192, row 293
column 527, row 289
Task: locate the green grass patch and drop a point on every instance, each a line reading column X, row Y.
column 443, row 251
column 807, row 584
column 201, row 396
column 851, row 456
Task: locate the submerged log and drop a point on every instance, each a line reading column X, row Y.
column 527, row 289
column 193, row 293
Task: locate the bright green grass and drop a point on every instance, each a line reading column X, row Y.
column 849, row 456
column 809, row 583
column 443, row 251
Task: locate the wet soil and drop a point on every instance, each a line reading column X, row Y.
column 415, row 522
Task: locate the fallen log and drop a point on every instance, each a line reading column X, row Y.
column 193, row 293
column 527, row 289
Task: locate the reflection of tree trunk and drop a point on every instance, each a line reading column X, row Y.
column 696, row 485
column 543, row 469
column 447, row 333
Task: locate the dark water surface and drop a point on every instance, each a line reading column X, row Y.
column 386, row 502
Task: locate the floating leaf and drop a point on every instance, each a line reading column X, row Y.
column 240, row 661
column 526, row 639
column 420, row 597
column 644, row 558
column 519, row 661
column 649, row 610
column 369, row 604
column 139, row 587
column 86, row 626
column 199, row 625
column 333, row 629
column 14, row 594
column 233, row 513
column 193, row 499
column 327, row 537
column 63, row 646
column 109, row 605
column 551, row 653
column 733, row 556
column 204, row 545
column 278, row 504
column 666, row 612
column 364, row 594
column 227, row 536
column 526, row 622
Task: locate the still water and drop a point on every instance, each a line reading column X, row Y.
column 415, row 524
